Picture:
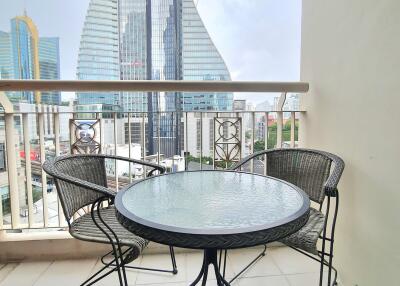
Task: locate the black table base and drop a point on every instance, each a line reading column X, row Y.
column 210, row 257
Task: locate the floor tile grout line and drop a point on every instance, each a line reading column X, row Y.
column 92, row 269
column 11, row 264
column 42, row 273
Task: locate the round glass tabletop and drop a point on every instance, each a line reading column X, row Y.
column 212, row 202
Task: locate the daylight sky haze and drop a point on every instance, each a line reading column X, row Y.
column 258, row 39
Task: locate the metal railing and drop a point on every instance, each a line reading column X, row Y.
column 31, row 136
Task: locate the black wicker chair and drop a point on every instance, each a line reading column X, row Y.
column 318, row 174
column 87, row 202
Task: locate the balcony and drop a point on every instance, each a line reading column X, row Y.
column 217, row 137
column 32, row 223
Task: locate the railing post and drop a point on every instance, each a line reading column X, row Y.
column 56, row 117
column 265, row 141
column 279, row 119
column 292, row 129
column 42, row 159
column 12, row 169
column 201, row 140
column 28, row 167
column 130, row 146
column 253, row 133
column 115, row 151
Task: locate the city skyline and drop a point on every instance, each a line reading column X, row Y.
column 235, row 26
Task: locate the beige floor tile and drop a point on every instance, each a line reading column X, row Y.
column 265, row 266
column 5, row 269
column 267, row 280
column 26, row 273
column 290, row 261
column 306, row 279
column 161, row 261
column 66, row 272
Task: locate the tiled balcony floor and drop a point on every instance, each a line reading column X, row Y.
column 281, row 267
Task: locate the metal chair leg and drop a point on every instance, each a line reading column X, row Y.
column 259, row 256
column 89, row 281
column 173, row 260
column 332, row 239
column 118, row 266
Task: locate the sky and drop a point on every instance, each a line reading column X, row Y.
column 258, row 39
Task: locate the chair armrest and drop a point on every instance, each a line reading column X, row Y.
column 247, row 159
column 156, row 167
column 331, row 183
column 49, row 169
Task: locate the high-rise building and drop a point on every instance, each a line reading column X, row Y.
column 98, row 57
column 23, row 55
column 150, row 40
column 6, row 63
column 201, row 61
column 49, row 62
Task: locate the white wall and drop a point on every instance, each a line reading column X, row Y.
column 351, row 57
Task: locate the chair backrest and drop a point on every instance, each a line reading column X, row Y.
column 88, row 168
column 307, row 169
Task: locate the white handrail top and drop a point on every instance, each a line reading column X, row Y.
column 153, row 85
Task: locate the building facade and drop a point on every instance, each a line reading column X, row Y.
column 201, row 61
column 49, row 63
column 98, row 57
column 23, row 55
column 150, row 40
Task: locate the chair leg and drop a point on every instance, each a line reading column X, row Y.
column 116, row 253
column 172, row 254
column 126, row 266
column 262, row 253
column 89, row 281
column 322, row 261
column 331, row 243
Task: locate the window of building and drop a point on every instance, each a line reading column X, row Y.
column 2, row 158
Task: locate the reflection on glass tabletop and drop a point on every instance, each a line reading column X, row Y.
column 213, row 202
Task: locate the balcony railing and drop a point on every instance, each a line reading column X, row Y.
column 30, row 134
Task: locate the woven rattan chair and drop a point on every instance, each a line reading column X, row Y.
column 318, row 174
column 87, row 202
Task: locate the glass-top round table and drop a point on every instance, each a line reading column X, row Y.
column 212, row 210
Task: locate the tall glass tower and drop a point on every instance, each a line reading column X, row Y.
column 6, row 63
column 23, row 55
column 201, row 61
column 150, row 40
column 98, row 57
column 49, row 62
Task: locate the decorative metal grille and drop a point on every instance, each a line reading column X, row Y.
column 85, row 136
column 227, row 136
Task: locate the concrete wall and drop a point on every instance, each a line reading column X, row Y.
column 351, row 57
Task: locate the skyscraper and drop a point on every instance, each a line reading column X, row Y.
column 49, row 62
column 201, row 61
column 23, row 55
column 150, row 40
column 6, row 63
column 99, row 51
